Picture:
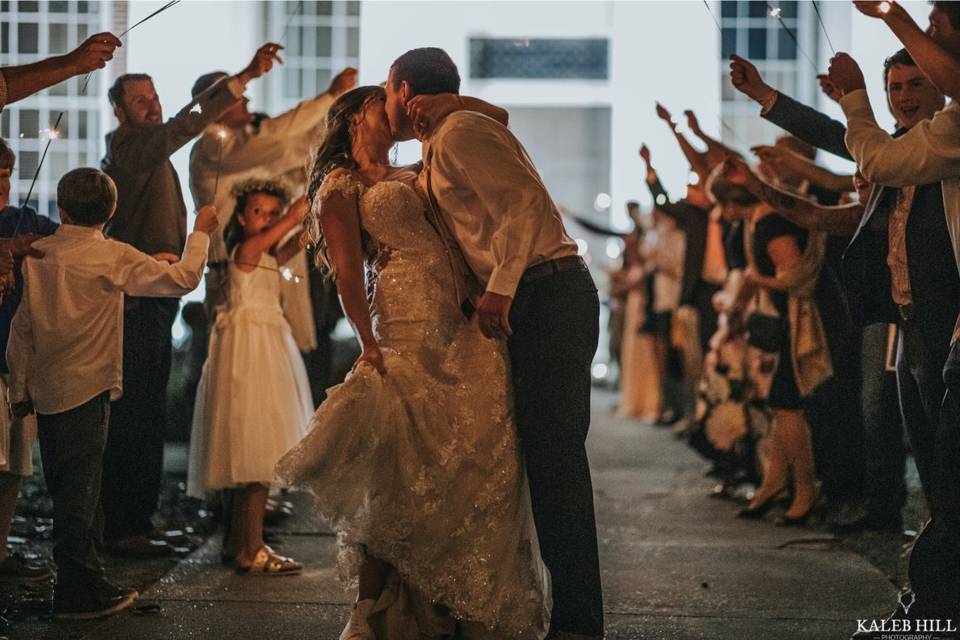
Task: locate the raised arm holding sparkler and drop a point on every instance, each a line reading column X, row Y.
column 25, row 80
column 938, row 63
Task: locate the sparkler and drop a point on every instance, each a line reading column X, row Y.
column 286, row 27
column 221, row 136
column 284, row 272
column 86, row 79
column 54, row 132
column 51, row 135
column 816, row 8
column 713, row 15
column 774, row 12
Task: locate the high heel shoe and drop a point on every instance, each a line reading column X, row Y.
column 815, row 511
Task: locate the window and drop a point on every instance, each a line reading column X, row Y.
column 43, row 29
column 748, row 29
column 540, row 58
column 321, row 39
column 28, row 36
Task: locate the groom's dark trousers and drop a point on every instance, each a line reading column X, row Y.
column 555, row 322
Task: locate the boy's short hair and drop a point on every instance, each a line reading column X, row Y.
column 7, row 157
column 87, row 195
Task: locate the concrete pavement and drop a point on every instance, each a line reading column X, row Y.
column 676, row 565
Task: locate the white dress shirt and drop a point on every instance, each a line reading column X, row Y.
column 492, row 198
column 928, row 152
column 66, row 341
column 278, row 147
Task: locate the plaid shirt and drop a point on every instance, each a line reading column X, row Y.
column 897, row 253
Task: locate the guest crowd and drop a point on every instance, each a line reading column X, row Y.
column 796, row 322
column 803, row 323
column 89, row 302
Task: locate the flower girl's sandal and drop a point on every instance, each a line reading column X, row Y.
column 268, row 563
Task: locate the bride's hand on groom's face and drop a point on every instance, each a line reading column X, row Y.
column 493, row 313
column 426, row 111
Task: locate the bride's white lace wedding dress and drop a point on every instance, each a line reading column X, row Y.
column 421, row 466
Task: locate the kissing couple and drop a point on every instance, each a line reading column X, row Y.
column 451, row 463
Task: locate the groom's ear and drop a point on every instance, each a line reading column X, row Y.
column 406, row 91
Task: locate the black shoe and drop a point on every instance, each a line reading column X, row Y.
column 87, row 606
column 756, row 513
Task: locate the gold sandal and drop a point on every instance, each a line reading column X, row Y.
column 268, row 563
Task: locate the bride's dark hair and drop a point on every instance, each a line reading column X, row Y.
column 335, row 151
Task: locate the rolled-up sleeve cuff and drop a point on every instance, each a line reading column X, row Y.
column 855, row 102
column 504, row 281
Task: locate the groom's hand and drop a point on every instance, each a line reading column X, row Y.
column 493, row 312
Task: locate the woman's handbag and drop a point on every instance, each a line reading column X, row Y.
column 765, row 331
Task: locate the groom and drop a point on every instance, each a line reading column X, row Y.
column 538, row 296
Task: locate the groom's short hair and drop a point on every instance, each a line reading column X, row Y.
column 428, row 71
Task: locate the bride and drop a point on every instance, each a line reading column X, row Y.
column 413, row 460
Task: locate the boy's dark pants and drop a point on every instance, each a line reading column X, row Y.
column 71, row 449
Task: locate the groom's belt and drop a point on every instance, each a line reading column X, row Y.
column 550, row 267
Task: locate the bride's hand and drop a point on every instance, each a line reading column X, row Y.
column 425, row 111
column 374, row 357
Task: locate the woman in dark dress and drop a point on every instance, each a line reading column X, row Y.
column 788, row 262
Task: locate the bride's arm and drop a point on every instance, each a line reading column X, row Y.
column 340, row 225
column 425, row 111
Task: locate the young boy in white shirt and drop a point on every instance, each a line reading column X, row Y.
column 65, row 359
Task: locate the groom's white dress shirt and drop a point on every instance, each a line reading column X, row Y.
column 493, row 200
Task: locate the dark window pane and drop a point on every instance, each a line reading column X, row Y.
column 52, row 212
column 788, row 8
column 28, row 6
column 786, row 47
column 728, row 43
column 555, row 59
column 82, row 31
column 324, row 42
column 728, row 8
column 60, row 89
column 82, row 6
column 5, row 124
column 58, row 38
column 28, row 35
column 5, row 6
column 63, row 129
column 4, row 37
column 82, row 124
column 353, row 42
column 353, row 8
column 324, row 8
column 758, row 9
column 57, row 6
column 27, row 164
column 758, row 44
column 29, row 123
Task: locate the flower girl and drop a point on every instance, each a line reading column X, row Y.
column 253, row 401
